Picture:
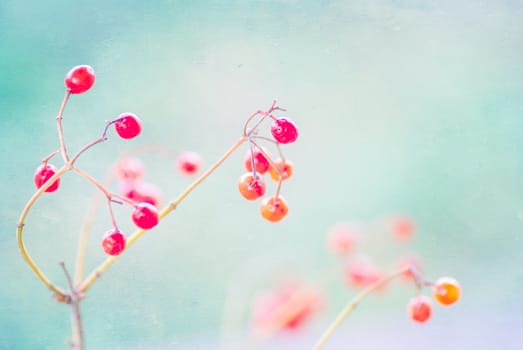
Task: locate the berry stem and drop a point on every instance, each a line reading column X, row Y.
column 278, row 147
column 59, row 118
column 97, row 272
column 253, row 163
column 269, row 159
column 100, row 139
column 49, row 156
column 93, row 181
column 77, row 342
column 352, row 304
column 264, row 115
column 20, row 233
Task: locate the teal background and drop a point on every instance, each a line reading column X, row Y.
column 409, row 107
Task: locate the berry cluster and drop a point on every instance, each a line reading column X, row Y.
column 343, row 240
column 143, row 198
column 127, row 125
column 259, row 161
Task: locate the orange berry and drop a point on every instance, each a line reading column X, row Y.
column 274, row 208
column 251, row 188
column 446, row 290
column 285, row 167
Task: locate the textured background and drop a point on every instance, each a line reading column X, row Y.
column 403, row 107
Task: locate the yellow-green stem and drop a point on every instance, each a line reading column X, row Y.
column 20, row 233
column 163, row 213
column 347, row 310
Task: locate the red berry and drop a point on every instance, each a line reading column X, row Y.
column 284, row 166
column 446, row 290
column 129, row 169
column 145, row 216
column 420, row 308
column 80, row 79
column 261, row 162
column 188, row 163
column 128, row 125
column 251, row 188
column 274, row 208
column 43, row 173
column 113, row 242
column 284, row 130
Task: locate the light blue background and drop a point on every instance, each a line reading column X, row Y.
column 403, row 107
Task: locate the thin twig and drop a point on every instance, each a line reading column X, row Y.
column 77, row 342
column 347, row 310
column 59, row 118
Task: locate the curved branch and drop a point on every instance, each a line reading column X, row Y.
column 20, row 233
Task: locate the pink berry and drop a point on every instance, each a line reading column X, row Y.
column 342, row 238
column 113, row 242
column 284, row 130
column 80, row 79
column 129, row 169
column 145, row 216
column 140, row 191
column 288, row 307
column 128, row 125
column 402, row 228
column 43, row 173
column 362, row 273
column 420, row 308
column 188, row 163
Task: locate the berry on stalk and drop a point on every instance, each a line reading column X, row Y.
column 43, row 173
column 274, row 208
column 261, row 163
column 80, row 79
column 113, row 242
column 251, row 187
column 284, row 130
column 284, row 166
column 128, row 125
column 446, row 290
column 420, row 308
column 145, row 216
